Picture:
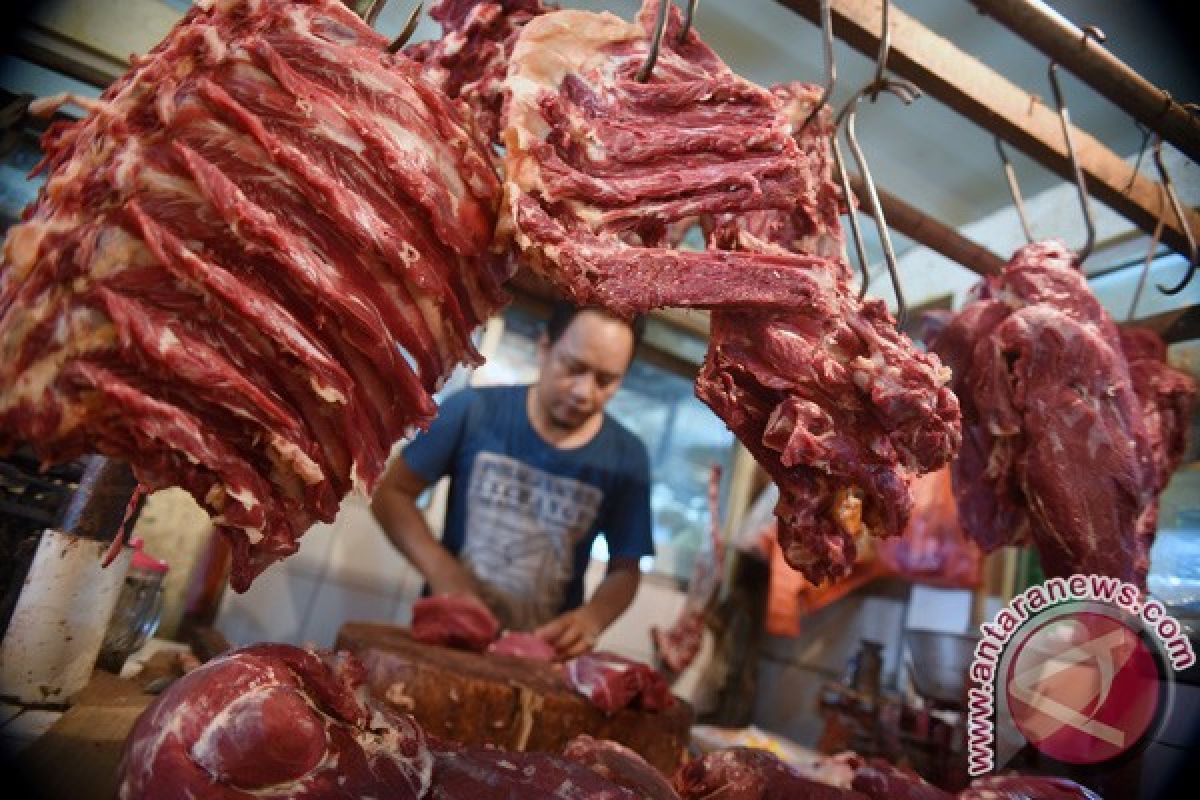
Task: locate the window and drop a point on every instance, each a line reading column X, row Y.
column 656, row 402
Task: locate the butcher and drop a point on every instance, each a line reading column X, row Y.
column 536, row 473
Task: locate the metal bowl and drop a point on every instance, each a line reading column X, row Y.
column 939, row 663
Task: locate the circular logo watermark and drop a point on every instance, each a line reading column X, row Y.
column 1083, row 687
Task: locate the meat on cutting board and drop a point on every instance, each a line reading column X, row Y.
column 749, row 773
column 273, row 721
column 622, row 766
column 250, row 266
column 612, row 682
column 1065, row 439
column 601, row 170
column 520, row 644
column 463, row 623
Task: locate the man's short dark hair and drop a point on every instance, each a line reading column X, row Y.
column 563, row 312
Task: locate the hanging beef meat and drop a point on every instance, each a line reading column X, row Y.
column 250, row 265
column 273, row 722
column 1064, row 445
column 838, row 406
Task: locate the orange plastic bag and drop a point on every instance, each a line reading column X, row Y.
column 933, row 548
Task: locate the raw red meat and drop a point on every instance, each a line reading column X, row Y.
column 748, row 773
column 487, row 774
column 622, row 766
column 678, row 645
column 1168, row 399
column 273, row 721
column 612, row 682
column 837, row 405
column 1025, row 787
column 518, row 644
column 879, row 780
column 471, row 57
column 463, row 623
column 1057, row 443
column 250, row 265
column 601, row 171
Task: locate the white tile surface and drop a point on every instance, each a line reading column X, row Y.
column 337, row 603
column 361, row 554
column 272, row 610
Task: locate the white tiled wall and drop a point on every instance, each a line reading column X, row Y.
column 346, row 570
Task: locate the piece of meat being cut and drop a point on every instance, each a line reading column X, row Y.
column 622, row 766
column 463, row 623
column 1060, row 440
column 470, row 59
column 273, row 721
column 839, row 407
column 749, row 773
column 249, row 268
column 520, row 644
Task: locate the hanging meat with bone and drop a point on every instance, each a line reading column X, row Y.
column 599, row 171
column 1072, row 429
column 250, row 265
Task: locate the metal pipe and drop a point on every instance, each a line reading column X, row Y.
column 1065, row 43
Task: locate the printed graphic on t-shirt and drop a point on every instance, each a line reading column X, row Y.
column 522, row 528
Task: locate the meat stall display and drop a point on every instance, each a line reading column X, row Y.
column 250, row 266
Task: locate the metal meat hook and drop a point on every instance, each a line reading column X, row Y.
column 660, row 28
column 885, row 47
column 1080, row 184
column 1154, row 240
column 1169, row 187
column 406, row 32
column 907, row 92
column 830, row 63
column 1014, row 189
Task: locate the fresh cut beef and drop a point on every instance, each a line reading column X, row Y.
column 622, row 766
column 612, row 682
column 463, row 623
column 749, row 773
column 250, row 266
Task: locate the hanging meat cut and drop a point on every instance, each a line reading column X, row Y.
column 1063, row 444
column 471, row 57
column 601, row 170
column 250, row 265
column 273, row 722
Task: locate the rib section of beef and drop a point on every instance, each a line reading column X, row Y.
column 1063, row 445
column 836, row 404
column 611, row 682
column 273, row 721
column 748, row 773
column 617, row 763
column 250, row 265
column 463, row 623
column 470, row 59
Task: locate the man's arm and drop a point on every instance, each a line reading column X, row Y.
column 575, row 632
column 395, row 507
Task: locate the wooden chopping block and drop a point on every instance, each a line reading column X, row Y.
column 509, row 702
column 78, row 756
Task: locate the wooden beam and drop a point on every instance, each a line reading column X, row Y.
column 994, row 103
column 941, row 238
column 1093, row 64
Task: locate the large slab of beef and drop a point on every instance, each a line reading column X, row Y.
column 617, row 763
column 250, row 265
column 1062, row 444
column 601, row 171
column 273, row 722
column 471, row 773
column 1025, row 787
column 748, row 773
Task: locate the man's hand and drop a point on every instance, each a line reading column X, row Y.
column 572, row 634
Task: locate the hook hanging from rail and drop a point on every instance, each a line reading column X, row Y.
column 907, row 92
column 1080, row 184
column 660, row 27
column 372, row 11
column 1169, row 187
column 1154, row 240
column 830, row 63
column 885, row 48
column 687, row 20
column 407, row 31
column 1014, row 189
